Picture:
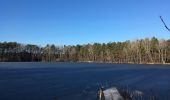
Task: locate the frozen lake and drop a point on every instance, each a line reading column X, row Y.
column 78, row 81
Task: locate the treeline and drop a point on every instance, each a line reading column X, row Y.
column 138, row 51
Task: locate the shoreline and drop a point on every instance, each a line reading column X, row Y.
column 89, row 62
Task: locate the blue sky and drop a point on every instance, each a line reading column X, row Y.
column 64, row 22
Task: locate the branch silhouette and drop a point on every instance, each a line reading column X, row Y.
column 164, row 23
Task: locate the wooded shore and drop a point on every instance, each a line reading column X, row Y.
column 142, row 51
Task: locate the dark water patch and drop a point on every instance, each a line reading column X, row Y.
column 78, row 81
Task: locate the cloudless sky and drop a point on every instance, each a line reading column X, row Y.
column 64, row 22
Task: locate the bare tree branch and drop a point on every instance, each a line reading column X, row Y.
column 164, row 23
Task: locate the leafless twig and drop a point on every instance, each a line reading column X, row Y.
column 164, row 23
